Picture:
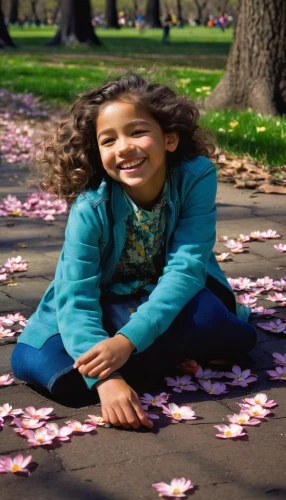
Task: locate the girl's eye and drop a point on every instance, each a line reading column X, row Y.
column 107, row 141
column 139, row 132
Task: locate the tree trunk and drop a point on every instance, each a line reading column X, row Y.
column 180, row 16
column 5, row 39
column 13, row 14
column 56, row 13
column 223, row 6
column 152, row 18
column 256, row 69
column 111, row 14
column 135, row 7
column 34, row 11
column 200, row 9
column 75, row 24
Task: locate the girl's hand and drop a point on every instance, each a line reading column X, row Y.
column 120, row 404
column 106, row 357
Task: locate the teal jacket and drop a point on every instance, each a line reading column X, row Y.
column 94, row 239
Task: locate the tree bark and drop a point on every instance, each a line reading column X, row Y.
column 75, row 24
column 180, row 16
column 13, row 14
column 111, row 14
column 255, row 75
column 200, row 9
column 56, row 13
column 34, row 11
column 152, row 18
column 5, row 39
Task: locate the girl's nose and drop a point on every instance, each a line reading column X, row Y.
column 124, row 147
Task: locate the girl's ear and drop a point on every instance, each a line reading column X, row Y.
column 172, row 141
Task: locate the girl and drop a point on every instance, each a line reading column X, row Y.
column 137, row 287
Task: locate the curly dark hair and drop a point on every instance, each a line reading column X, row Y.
column 69, row 162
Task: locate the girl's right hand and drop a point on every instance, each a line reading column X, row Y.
column 120, row 404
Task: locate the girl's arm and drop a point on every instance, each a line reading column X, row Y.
column 77, row 280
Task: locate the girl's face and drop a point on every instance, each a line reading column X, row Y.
column 133, row 149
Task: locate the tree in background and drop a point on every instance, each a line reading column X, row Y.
column 152, row 18
column 111, row 15
column 200, row 5
column 256, row 69
column 36, row 19
column 5, row 39
column 75, row 24
column 13, row 14
column 180, row 15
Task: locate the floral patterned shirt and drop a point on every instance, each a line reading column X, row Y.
column 143, row 257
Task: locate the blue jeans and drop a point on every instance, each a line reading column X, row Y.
column 205, row 329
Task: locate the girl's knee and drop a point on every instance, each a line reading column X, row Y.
column 18, row 362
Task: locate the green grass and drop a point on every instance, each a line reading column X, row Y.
column 266, row 146
column 61, row 81
column 128, row 41
column 193, row 64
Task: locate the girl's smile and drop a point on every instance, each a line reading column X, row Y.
column 133, row 149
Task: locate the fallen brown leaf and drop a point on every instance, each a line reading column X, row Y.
column 246, row 173
column 271, row 189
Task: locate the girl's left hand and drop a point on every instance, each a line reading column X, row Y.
column 106, row 357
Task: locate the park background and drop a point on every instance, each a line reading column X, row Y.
column 194, row 62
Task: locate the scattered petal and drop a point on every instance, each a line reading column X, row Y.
column 281, row 247
column 41, row 437
column 278, row 374
column 269, row 234
column 240, row 378
column 223, row 257
column 96, row 420
column 215, row 388
column 6, row 380
column 230, row 431
column 275, row 326
column 155, row 400
column 176, row 489
column 256, row 411
column 79, row 428
column 178, row 413
column 181, row 383
column 18, row 464
column 260, row 399
column 262, row 311
column 42, row 413
column 247, row 299
column 279, row 359
column 276, row 297
column 242, row 419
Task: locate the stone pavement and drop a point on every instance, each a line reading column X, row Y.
column 117, row 464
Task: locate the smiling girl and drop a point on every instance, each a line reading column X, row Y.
column 137, row 287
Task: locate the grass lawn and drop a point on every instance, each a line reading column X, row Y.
column 193, row 64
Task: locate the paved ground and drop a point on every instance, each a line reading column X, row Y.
column 121, row 465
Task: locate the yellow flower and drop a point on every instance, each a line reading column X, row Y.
column 206, row 88
column 198, row 90
column 260, row 129
column 233, row 124
column 184, row 81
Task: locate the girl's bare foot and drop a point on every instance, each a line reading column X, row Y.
column 189, row 366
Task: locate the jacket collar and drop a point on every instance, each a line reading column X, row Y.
column 121, row 208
